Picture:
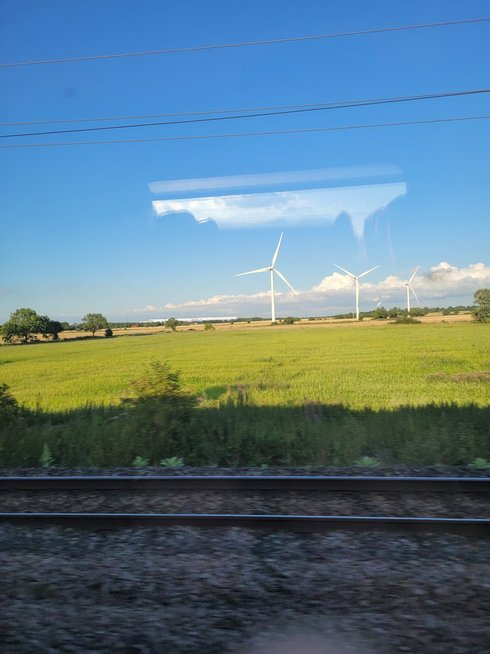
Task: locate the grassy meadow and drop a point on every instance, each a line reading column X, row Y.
column 292, row 395
column 378, row 367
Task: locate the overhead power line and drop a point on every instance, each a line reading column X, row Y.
column 243, row 44
column 280, row 112
column 306, row 130
column 339, row 104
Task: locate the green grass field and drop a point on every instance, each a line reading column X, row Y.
column 298, row 395
column 377, row 367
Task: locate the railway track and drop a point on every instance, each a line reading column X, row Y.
column 250, row 483
column 474, row 526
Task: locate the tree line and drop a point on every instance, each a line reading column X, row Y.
column 25, row 324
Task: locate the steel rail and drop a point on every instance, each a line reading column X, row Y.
column 296, row 523
column 248, row 483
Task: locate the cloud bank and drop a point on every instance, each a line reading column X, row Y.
column 335, row 294
column 287, row 208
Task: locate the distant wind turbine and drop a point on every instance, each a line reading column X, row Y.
column 356, row 278
column 271, row 269
column 409, row 288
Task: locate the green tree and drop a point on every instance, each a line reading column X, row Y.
column 417, row 312
column 171, row 324
column 48, row 327
column 22, row 324
column 94, row 321
column 482, row 301
column 394, row 312
column 380, row 313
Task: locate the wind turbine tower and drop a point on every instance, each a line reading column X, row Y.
column 409, row 288
column 271, row 270
column 356, row 279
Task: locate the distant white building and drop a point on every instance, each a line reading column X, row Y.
column 210, row 319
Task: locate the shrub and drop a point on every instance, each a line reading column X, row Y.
column 108, row 333
column 140, row 462
column 159, row 383
column 406, row 320
column 479, row 462
column 208, row 327
column 367, row 462
column 159, row 411
column 417, row 312
column 172, row 462
column 289, row 320
column 9, row 409
column 46, row 459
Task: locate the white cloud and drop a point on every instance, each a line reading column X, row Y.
column 447, row 279
column 335, row 293
column 213, row 301
column 287, row 208
column 334, row 282
column 441, row 281
column 219, row 300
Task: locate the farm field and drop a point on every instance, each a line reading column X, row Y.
column 424, row 388
column 377, row 366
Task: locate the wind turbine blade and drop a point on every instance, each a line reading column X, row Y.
column 285, row 280
column 414, row 294
column 346, row 271
column 277, row 251
column 368, row 271
column 413, row 275
column 251, row 272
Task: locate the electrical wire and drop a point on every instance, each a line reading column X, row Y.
column 243, row 134
column 223, row 111
column 242, row 44
column 284, row 111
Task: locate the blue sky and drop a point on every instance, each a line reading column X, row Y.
column 79, row 228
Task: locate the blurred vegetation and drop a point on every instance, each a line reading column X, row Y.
column 416, row 394
column 160, row 424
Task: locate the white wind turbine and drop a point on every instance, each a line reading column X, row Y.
column 409, row 288
column 356, row 278
column 271, row 269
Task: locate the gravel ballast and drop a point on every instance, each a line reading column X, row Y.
column 378, row 471
column 184, row 590
column 189, row 590
column 442, row 505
